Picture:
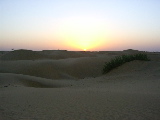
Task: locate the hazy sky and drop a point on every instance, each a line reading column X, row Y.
column 80, row 24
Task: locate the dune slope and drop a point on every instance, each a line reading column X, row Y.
column 56, row 69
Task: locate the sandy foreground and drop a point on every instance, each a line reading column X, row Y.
column 68, row 85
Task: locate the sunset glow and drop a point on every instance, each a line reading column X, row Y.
column 82, row 32
column 78, row 25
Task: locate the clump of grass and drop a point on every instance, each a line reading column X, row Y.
column 119, row 60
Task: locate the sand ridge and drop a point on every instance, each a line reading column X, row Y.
column 23, row 54
column 56, row 69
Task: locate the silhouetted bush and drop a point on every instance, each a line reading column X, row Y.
column 119, row 60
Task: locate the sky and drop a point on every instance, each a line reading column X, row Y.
column 75, row 25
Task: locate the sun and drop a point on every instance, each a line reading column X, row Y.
column 82, row 33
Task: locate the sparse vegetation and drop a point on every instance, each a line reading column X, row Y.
column 119, row 60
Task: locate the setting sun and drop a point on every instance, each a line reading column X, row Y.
column 82, row 32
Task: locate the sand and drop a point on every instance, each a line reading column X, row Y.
column 72, row 87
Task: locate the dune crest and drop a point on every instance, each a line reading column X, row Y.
column 45, row 54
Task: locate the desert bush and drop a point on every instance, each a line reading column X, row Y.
column 119, row 60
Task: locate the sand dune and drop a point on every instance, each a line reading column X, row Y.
column 75, row 89
column 22, row 55
column 19, row 80
column 56, row 69
column 46, row 54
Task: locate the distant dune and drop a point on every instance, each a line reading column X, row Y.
column 45, row 54
column 60, row 84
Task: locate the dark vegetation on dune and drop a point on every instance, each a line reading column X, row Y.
column 120, row 60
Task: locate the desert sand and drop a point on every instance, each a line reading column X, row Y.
column 69, row 85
